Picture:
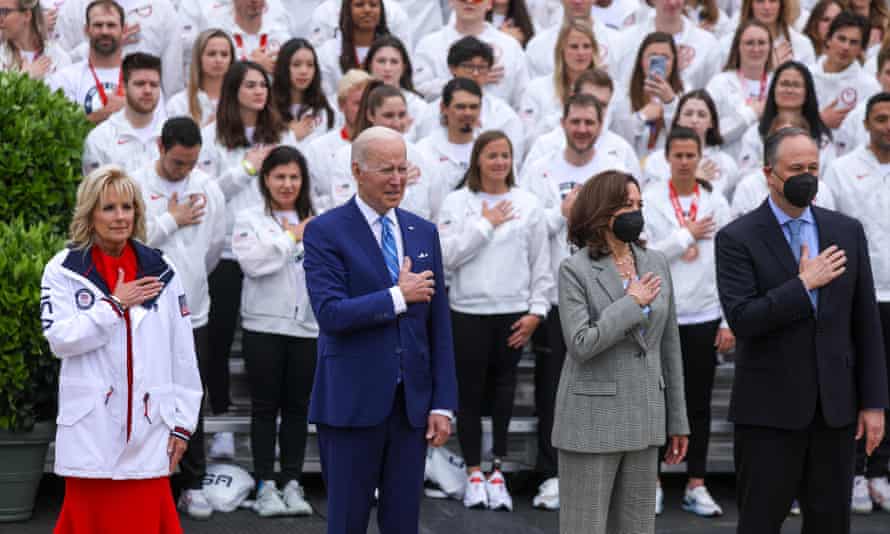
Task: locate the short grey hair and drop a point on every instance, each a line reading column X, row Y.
column 362, row 145
column 771, row 145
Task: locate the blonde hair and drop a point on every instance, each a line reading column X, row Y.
column 38, row 27
column 196, row 72
column 353, row 79
column 89, row 196
column 560, row 76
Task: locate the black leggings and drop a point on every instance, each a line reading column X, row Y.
column 699, row 365
column 875, row 466
column 482, row 357
column 281, row 370
column 550, row 354
column 225, row 301
column 193, row 466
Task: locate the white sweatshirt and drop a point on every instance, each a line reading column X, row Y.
column 695, row 282
column 431, row 63
column 852, row 133
column 422, row 17
column 730, row 94
column 178, row 106
column 628, row 124
column 752, row 192
column 450, row 161
column 273, row 33
column 59, row 59
column 325, row 22
column 861, row 185
column 194, row 249
column 849, row 87
column 540, row 108
column 801, row 49
column 657, row 169
column 274, row 299
column 116, row 141
column 751, row 153
column 540, row 49
column 320, row 158
column 495, row 270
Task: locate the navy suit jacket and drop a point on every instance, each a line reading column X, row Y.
column 788, row 356
column 363, row 346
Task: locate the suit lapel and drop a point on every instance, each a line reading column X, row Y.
column 365, row 238
column 409, row 238
column 827, row 237
column 609, row 279
column 644, row 265
column 775, row 238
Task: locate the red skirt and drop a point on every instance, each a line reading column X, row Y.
column 103, row 506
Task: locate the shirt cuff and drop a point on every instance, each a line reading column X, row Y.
column 398, row 300
column 447, row 413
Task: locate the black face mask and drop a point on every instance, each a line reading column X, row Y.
column 800, row 189
column 628, row 226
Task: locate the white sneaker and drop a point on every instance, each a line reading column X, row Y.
column 268, row 500
column 195, row 504
column 498, row 496
column 879, row 488
column 795, row 508
column 699, row 501
column 548, row 495
column 295, row 499
column 861, row 502
column 659, row 500
column 222, row 447
column 474, row 494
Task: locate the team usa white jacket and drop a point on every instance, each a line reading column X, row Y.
column 695, row 282
column 116, row 141
column 274, row 299
column 849, row 87
column 97, row 402
column 730, row 94
column 194, row 249
column 325, row 22
column 495, row 270
column 540, row 55
column 861, row 187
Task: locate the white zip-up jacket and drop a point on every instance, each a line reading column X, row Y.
column 850, row 87
column 496, row 114
column 752, row 192
column 496, row 270
column 657, row 169
column 540, row 49
column 540, row 108
column 423, row 196
column 89, row 334
column 735, row 116
column 325, row 22
column 862, row 190
column 225, row 166
column 628, row 124
column 423, row 18
column 801, row 48
column 59, row 59
column 320, row 158
column 852, row 133
column 431, row 63
column 115, row 141
column 273, row 30
column 695, row 282
column 154, row 18
column 178, row 106
column 194, row 249
column 274, row 299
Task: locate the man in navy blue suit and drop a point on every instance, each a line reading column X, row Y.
column 385, row 385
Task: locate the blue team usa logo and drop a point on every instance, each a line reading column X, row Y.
column 92, row 101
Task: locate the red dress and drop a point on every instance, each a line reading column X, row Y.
column 104, row 506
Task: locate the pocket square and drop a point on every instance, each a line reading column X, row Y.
column 422, row 255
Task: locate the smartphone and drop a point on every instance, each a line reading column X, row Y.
column 658, row 65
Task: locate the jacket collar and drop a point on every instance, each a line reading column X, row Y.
column 609, row 279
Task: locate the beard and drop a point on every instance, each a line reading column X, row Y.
column 137, row 106
column 105, row 46
column 579, row 148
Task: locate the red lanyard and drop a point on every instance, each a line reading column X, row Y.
column 762, row 94
column 239, row 44
column 101, row 88
column 678, row 210
column 344, row 134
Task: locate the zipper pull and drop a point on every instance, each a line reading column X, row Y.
column 108, row 395
column 145, row 406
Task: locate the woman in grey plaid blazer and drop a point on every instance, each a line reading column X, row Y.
column 621, row 391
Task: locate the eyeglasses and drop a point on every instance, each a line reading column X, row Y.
column 4, row 11
column 474, row 68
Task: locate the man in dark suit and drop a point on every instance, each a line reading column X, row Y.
column 810, row 370
column 385, row 385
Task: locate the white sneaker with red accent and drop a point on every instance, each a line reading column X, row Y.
column 474, row 494
column 195, row 504
column 879, row 489
column 498, row 496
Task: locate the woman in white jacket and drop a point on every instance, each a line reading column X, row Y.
column 739, row 92
column 24, row 44
column 246, row 128
column 115, row 312
column 496, row 254
column 212, row 56
column 280, row 331
column 388, row 61
column 682, row 215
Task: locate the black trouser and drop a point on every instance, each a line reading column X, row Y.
column 774, row 465
column 482, row 356
column 699, row 366
column 550, row 354
column 875, row 466
column 281, row 370
column 194, row 462
column 225, row 301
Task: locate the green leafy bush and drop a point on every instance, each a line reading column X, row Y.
column 28, row 370
column 41, row 146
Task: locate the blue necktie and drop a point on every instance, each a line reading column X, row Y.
column 388, row 245
column 794, row 226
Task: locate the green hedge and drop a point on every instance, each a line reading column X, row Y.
column 41, row 146
column 28, row 370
